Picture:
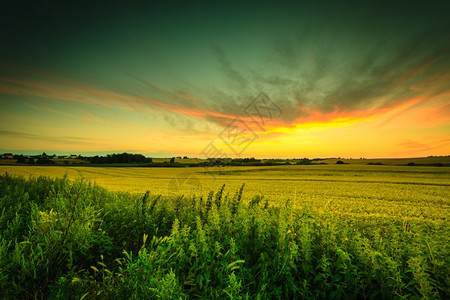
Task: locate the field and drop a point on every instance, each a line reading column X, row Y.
column 318, row 231
column 355, row 190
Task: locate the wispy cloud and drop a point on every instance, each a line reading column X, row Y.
column 53, row 139
column 232, row 75
column 33, row 106
column 78, row 93
column 409, row 146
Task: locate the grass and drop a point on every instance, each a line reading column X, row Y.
column 62, row 239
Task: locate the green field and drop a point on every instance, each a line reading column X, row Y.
column 320, row 231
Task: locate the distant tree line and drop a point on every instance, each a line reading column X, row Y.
column 42, row 160
column 230, row 162
column 303, row 161
column 257, row 162
column 123, row 158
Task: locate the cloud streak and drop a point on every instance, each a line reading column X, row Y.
column 53, row 139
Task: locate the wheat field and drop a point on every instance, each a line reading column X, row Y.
column 416, row 193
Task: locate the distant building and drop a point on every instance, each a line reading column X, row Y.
column 7, row 156
column 73, row 156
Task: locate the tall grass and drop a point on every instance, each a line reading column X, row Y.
column 62, row 239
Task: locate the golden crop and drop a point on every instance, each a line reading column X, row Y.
column 373, row 192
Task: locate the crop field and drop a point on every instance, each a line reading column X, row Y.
column 320, row 231
column 356, row 190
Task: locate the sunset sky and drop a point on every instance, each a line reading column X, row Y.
column 328, row 78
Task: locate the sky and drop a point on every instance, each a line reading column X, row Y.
column 281, row 79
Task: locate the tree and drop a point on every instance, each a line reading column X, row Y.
column 303, row 161
column 124, row 158
column 21, row 159
column 172, row 160
column 44, row 161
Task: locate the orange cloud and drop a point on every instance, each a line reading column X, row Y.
column 86, row 95
column 43, row 90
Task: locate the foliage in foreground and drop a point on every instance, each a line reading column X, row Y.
column 70, row 240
